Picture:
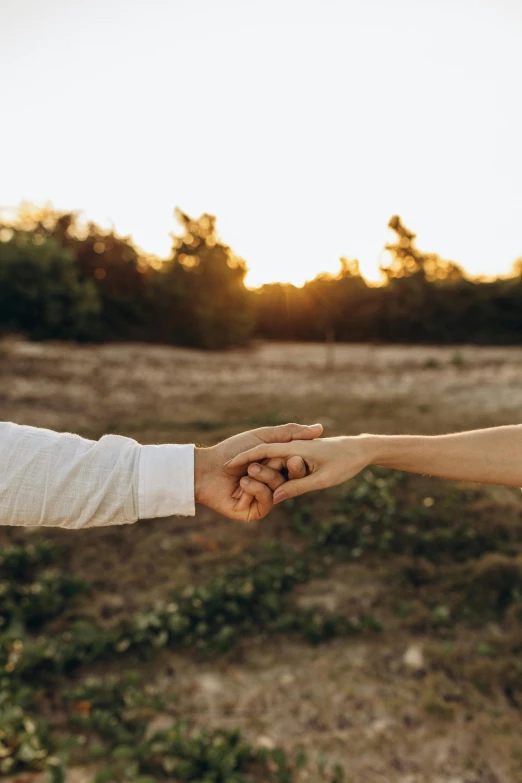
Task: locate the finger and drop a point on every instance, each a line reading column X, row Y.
column 263, row 451
column 284, row 433
column 272, row 478
column 262, row 494
column 276, row 463
column 293, row 489
column 244, row 501
column 297, row 468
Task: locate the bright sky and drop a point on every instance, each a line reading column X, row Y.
column 303, row 125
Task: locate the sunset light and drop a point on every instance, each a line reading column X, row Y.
column 302, row 127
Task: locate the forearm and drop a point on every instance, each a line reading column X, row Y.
column 489, row 456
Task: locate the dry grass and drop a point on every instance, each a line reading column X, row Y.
column 355, row 701
column 156, row 390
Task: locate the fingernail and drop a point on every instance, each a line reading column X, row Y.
column 228, row 463
column 314, row 426
column 237, row 494
column 245, row 481
column 254, row 469
column 279, row 496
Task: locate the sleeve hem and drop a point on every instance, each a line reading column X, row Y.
column 166, row 481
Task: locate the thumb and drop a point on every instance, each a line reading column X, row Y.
column 292, row 489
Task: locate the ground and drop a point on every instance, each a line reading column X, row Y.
column 386, row 706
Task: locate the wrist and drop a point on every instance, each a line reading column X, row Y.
column 356, row 452
column 202, row 459
column 400, row 452
column 378, row 449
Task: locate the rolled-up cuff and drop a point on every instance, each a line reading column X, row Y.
column 166, row 481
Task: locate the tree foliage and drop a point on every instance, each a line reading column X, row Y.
column 424, row 299
column 42, row 292
column 200, row 289
column 61, row 280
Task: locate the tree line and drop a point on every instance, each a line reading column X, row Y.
column 61, row 280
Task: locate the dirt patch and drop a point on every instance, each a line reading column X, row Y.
column 359, row 701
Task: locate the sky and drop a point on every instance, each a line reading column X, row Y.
column 303, row 125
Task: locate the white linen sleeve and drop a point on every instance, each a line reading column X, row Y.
column 60, row 479
column 166, row 481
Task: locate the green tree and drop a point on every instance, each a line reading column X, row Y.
column 418, row 289
column 41, row 293
column 200, row 290
column 121, row 276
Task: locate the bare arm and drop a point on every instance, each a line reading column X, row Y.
column 490, row 456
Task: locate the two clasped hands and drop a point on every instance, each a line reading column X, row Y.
column 61, row 479
column 244, row 476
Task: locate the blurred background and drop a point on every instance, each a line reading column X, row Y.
column 219, row 216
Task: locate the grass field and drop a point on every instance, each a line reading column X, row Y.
column 371, row 633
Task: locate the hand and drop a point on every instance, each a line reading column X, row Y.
column 329, row 461
column 271, row 474
column 216, row 483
